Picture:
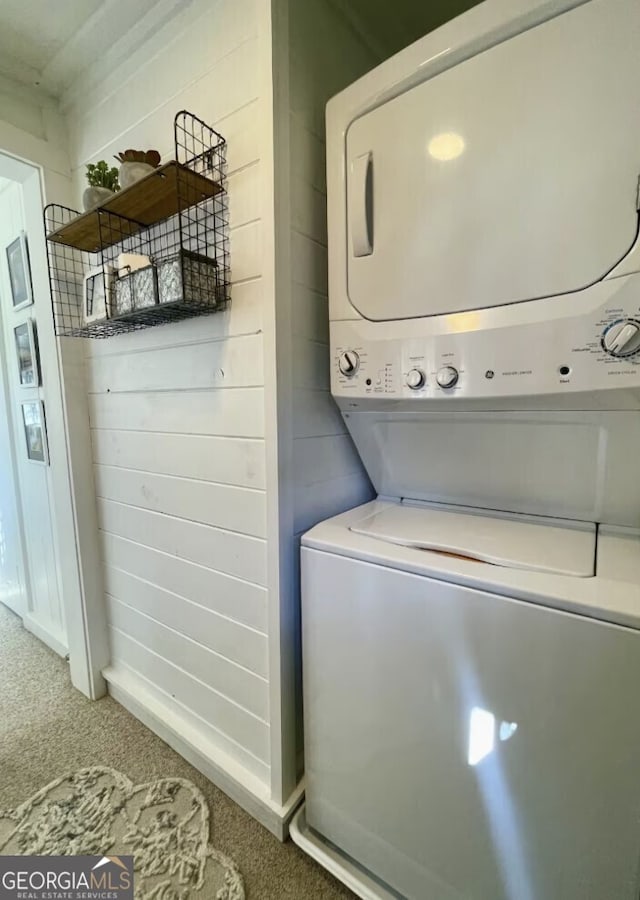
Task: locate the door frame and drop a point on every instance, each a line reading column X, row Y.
column 68, row 432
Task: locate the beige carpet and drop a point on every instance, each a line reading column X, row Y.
column 48, row 729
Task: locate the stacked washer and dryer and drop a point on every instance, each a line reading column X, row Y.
column 471, row 638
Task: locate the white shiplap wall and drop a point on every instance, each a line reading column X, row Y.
column 215, row 441
column 177, row 413
column 326, row 54
column 317, row 52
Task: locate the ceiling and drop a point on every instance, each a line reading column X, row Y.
column 44, row 44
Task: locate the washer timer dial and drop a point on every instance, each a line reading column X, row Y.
column 349, row 363
column 622, row 338
column 447, row 376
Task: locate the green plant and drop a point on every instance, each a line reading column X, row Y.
column 100, row 175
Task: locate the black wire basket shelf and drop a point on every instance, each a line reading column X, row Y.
column 153, row 253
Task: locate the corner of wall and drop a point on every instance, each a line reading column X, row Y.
column 278, row 407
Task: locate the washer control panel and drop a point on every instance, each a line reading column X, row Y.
column 591, row 352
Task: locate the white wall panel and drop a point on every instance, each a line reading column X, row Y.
column 239, row 733
column 308, row 162
column 177, row 413
column 246, row 252
column 311, row 364
column 150, row 110
column 310, row 319
column 241, row 130
column 178, row 417
column 225, row 506
column 165, row 38
column 234, row 598
column 319, row 501
column 230, row 413
column 244, row 187
column 236, row 362
column 320, row 459
column 230, row 680
column 227, row 552
column 324, row 54
column 229, row 640
column 234, row 461
column 315, row 414
column 309, row 262
column 309, row 210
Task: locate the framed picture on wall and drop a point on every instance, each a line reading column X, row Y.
column 27, row 354
column 35, row 431
column 19, row 272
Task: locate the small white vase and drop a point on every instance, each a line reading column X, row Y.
column 130, row 172
column 94, row 196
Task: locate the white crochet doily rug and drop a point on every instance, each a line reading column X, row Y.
column 163, row 824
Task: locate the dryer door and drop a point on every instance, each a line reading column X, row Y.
column 509, row 177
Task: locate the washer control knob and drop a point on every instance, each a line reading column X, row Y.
column 415, row 379
column 349, row 363
column 447, row 376
column 622, row 338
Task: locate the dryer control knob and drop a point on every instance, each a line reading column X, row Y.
column 622, row 338
column 349, row 363
column 447, row 376
column 415, row 379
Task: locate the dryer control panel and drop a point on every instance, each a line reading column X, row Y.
column 494, row 353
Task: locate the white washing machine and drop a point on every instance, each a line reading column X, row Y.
column 471, row 639
column 472, row 728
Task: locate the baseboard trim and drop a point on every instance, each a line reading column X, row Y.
column 54, row 642
column 181, row 733
column 13, row 601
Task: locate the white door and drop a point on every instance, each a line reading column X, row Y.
column 465, row 746
column 43, row 611
column 511, row 176
column 13, row 590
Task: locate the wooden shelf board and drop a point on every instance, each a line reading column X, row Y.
column 168, row 190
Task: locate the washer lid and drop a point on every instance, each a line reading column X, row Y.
column 514, row 542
